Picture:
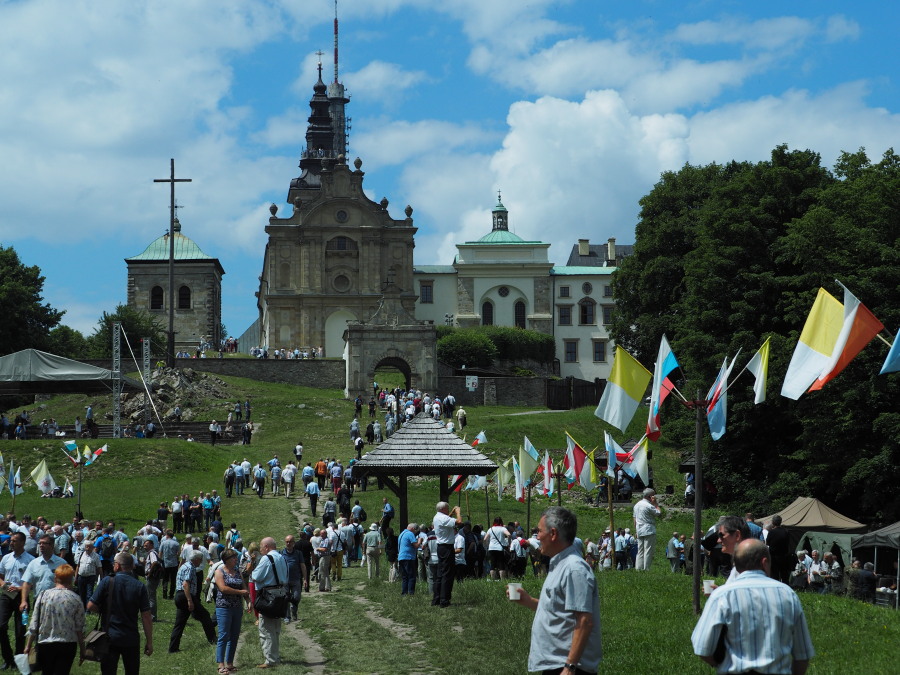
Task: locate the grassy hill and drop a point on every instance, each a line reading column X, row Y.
column 647, row 618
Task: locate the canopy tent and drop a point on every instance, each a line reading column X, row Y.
column 423, row 447
column 886, row 537
column 31, row 371
column 828, row 542
column 807, row 514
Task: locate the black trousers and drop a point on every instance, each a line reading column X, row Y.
column 55, row 658
column 182, row 613
column 131, row 659
column 177, row 520
column 9, row 609
column 443, row 582
column 168, row 581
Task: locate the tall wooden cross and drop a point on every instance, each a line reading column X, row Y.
column 170, row 337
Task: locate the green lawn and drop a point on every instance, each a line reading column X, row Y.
column 366, row 627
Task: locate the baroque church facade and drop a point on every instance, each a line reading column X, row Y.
column 328, row 263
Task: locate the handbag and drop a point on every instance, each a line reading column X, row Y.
column 96, row 643
column 33, row 664
column 272, row 601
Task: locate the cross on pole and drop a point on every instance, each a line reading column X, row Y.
column 170, row 337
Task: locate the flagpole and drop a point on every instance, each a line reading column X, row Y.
column 468, row 510
column 558, row 475
column 612, row 522
column 80, row 476
column 699, row 407
column 487, row 502
column 528, row 509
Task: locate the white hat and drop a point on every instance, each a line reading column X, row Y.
column 373, row 526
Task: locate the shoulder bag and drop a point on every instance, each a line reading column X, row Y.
column 96, row 643
column 272, row 601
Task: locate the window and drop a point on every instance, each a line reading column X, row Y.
column 156, row 298
column 607, row 314
column 599, row 350
column 503, row 291
column 184, row 298
column 586, row 288
column 586, row 314
column 607, row 291
column 520, row 314
column 571, row 350
column 487, row 314
column 564, row 291
column 426, row 292
column 565, row 316
column 341, row 244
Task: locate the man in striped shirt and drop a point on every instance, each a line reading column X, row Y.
column 762, row 620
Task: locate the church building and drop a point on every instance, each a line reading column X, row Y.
column 198, row 289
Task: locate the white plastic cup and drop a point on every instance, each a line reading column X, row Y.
column 708, row 586
column 514, row 589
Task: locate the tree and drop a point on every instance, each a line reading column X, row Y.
column 466, row 347
column 27, row 320
column 136, row 324
column 726, row 255
column 67, row 342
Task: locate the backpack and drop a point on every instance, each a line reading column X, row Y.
column 108, row 548
column 362, row 515
column 229, row 472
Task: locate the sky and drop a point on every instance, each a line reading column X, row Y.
column 571, row 108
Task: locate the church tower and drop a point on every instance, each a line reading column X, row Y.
column 198, row 289
column 326, row 262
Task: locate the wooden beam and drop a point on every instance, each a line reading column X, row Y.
column 392, row 486
column 404, row 502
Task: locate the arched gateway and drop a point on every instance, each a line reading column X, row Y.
column 391, row 337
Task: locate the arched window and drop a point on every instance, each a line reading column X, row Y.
column 586, row 312
column 520, row 314
column 156, row 297
column 487, row 314
column 184, row 298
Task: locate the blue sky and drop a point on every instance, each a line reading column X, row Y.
column 571, row 108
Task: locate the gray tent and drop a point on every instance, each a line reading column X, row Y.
column 35, row 372
column 887, row 537
column 827, row 542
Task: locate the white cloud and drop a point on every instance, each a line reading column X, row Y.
column 839, row 28
column 767, row 34
column 384, row 82
column 396, row 142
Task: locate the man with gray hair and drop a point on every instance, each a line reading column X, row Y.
column 762, row 621
column 645, row 513
column 187, row 602
column 120, row 597
column 565, row 635
column 445, row 533
column 270, row 573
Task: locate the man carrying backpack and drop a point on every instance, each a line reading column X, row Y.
column 229, row 480
column 106, row 546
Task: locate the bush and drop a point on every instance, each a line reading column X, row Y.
column 466, row 347
column 516, row 343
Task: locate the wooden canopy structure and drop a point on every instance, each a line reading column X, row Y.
column 423, row 447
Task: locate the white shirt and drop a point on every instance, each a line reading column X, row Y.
column 444, row 528
column 645, row 518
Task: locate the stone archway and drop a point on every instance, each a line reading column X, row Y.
column 398, row 364
column 390, row 336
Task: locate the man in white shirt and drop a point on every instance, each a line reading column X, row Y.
column 445, row 533
column 645, row 513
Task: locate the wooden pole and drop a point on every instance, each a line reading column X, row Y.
column 487, row 505
column 612, row 520
column 528, row 509
column 698, row 498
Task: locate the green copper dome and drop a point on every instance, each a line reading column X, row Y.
column 185, row 249
column 501, row 237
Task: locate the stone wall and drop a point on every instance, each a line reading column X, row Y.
column 513, row 391
column 318, row 373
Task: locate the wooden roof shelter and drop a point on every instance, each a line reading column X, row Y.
column 423, row 447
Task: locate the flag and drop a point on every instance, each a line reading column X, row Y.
column 624, row 390
column 2, row 466
column 858, row 329
column 93, row 457
column 69, row 490
column 87, row 456
column 10, row 481
column 891, row 365
column 71, row 459
column 612, row 449
column 454, row 479
column 16, row 486
column 529, row 460
column 480, row 438
column 717, row 400
column 815, row 346
column 578, row 468
column 476, row 482
column 42, row 478
column 520, row 487
column 637, row 466
column 71, row 446
column 504, row 473
column 666, row 363
column 546, row 468
column 759, row 366
column 594, row 475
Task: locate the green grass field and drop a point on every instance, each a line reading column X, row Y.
column 366, row 627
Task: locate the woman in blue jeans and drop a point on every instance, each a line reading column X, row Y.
column 229, row 609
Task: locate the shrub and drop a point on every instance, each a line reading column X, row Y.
column 466, row 347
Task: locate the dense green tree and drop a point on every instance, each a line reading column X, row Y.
column 27, row 319
column 136, row 324
column 68, row 342
column 466, row 347
column 726, row 255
